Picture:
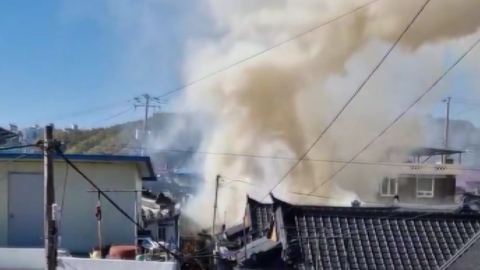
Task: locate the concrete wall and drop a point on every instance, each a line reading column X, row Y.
column 78, row 231
column 34, row 259
column 87, row 264
column 24, row 259
column 444, row 191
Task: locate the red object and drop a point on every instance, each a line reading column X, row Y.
column 125, row 252
column 98, row 212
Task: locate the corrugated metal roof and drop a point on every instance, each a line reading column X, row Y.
column 144, row 162
column 6, row 134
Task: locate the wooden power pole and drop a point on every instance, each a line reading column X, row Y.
column 214, row 241
column 447, row 127
column 49, row 199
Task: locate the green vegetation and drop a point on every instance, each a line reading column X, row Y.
column 117, row 139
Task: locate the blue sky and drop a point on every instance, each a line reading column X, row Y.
column 461, row 88
column 69, row 61
column 57, row 59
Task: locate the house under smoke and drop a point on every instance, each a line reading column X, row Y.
column 357, row 237
column 161, row 217
column 427, row 176
column 255, row 225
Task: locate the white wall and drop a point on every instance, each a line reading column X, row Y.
column 79, row 226
column 34, row 259
column 87, row 264
column 170, row 231
column 25, row 259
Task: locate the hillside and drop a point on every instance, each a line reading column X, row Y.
column 120, row 139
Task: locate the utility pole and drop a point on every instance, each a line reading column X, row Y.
column 49, row 199
column 214, row 242
column 447, row 125
column 98, row 211
column 146, row 101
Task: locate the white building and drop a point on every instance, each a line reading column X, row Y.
column 165, row 230
column 21, row 199
column 32, row 134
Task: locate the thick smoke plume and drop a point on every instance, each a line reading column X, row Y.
column 278, row 103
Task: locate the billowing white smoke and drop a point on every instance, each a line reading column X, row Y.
column 278, row 103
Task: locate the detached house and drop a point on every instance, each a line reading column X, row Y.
column 428, row 176
column 325, row 237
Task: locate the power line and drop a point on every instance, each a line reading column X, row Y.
column 62, row 202
column 234, row 64
column 468, row 110
column 348, row 102
column 17, row 147
column 403, row 113
column 115, row 115
column 5, row 166
column 351, row 98
column 268, row 49
column 91, row 110
column 285, row 158
column 59, row 152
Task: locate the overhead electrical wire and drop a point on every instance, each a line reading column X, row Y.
column 349, row 100
column 115, row 115
column 91, row 110
column 74, row 167
column 17, row 147
column 278, row 158
column 469, row 110
column 185, row 86
column 268, row 49
column 62, row 201
column 404, row 112
column 5, row 166
column 396, row 120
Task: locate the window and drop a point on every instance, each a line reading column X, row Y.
column 388, row 187
column 162, row 234
column 425, row 187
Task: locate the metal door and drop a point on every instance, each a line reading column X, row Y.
column 25, row 207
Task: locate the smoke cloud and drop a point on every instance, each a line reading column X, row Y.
column 278, row 103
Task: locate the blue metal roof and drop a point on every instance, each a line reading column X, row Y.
column 6, row 134
column 142, row 160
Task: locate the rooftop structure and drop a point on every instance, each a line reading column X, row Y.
column 6, row 135
column 395, row 236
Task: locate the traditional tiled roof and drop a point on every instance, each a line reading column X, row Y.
column 260, row 216
column 320, row 237
column 468, row 257
column 258, row 220
column 262, row 253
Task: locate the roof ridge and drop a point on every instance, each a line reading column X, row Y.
column 250, row 198
column 461, row 251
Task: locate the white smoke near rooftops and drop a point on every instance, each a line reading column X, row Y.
column 278, row 103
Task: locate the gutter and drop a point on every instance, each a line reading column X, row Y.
column 460, row 252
